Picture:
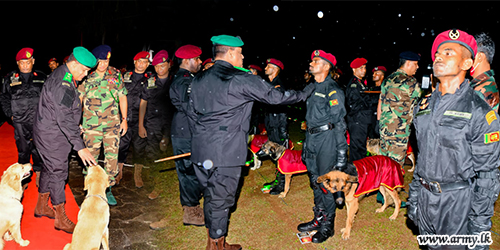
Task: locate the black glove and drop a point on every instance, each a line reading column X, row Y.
column 411, row 211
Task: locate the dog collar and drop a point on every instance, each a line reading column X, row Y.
column 96, row 195
column 17, row 199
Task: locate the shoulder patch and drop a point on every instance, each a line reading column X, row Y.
column 490, row 117
column 491, row 137
column 334, row 102
column 333, row 92
column 68, row 77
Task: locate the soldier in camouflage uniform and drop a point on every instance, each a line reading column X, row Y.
column 103, row 95
column 484, row 81
column 398, row 96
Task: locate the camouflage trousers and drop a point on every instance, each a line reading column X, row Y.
column 394, row 148
column 109, row 138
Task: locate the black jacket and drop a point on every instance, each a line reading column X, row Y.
column 180, row 99
column 135, row 84
column 222, row 98
column 19, row 96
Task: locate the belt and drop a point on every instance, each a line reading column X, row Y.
column 322, row 128
column 437, row 187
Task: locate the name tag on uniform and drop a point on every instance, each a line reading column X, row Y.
column 458, row 114
column 15, row 83
column 319, row 94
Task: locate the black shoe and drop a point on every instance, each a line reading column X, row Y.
column 326, row 229
column 315, row 224
column 280, row 186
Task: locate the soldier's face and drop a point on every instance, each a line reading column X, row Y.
column 317, row 65
column 78, row 70
column 360, row 72
column 237, row 56
column 195, row 64
column 378, row 76
column 141, row 65
column 162, row 68
column 207, row 66
column 102, row 65
column 26, row 66
column 449, row 61
column 53, row 65
column 412, row 67
column 254, row 71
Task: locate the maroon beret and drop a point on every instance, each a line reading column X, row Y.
column 53, row 59
column 358, row 62
column 209, row 60
column 141, row 55
column 24, row 53
column 455, row 36
column 188, row 52
column 66, row 59
column 381, row 68
column 160, row 57
column 275, row 62
column 325, row 56
column 253, row 66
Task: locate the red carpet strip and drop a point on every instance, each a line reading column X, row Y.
column 39, row 231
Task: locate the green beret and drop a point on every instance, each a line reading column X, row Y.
column 83, row 56
column 226, row 40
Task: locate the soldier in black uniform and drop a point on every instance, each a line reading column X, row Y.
column 190, row 192
column 359, row 110
column 456, row 181
column 19, row 100
column 325, row 146
column 56, row 131
column 222, row 98
column 275, row 120
column 153, row 112
column 135, row 81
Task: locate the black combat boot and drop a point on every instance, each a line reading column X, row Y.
column 315, row 224
column 326, row 229
column 280, row 186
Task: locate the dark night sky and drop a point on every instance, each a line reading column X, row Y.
column 378, row 31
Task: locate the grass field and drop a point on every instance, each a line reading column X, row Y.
column 262, row 221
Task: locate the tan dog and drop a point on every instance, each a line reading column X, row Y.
column 348, row 182
column 92, row 228
column 373, row 147
column 289, row 161
column 11, row 208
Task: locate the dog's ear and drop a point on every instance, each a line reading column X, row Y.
column 351, row 178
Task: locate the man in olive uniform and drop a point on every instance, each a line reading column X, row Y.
column 189, row 187
column 103, row 97
column 358, row 104
column 275, row 120
column 153, row 112
column 325, row 146
column 484, row 78
column 56, row 131
column 135, row 81
column 222, row 98
column 19, row 100
column 456, row 181
column 398, row 97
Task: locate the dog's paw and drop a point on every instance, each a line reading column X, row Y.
column 393, row 217
column 346, row 235
column 379, row 210
column 282, row 195
column 342, row 230
column 24, row 243
column 7, row 236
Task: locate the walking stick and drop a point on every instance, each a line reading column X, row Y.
column 173, row 157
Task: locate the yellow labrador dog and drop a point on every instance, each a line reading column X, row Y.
column 92, row 228
column 11, row 208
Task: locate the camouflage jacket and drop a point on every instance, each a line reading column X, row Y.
column 398, row 96
column 486, row 87
column 101, row 99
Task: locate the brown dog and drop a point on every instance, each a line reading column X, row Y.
column 92, row 228
column 289, row 161
column 386, row 178
column 373, row 147
column 11, row 208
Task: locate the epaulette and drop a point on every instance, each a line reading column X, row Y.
column 67, row 79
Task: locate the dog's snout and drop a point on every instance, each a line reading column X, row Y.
column 338, row 197
column 260, row 153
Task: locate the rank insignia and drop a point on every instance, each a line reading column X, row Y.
column 491, row 137
column 334, row 102
column 68, row 77
column 490, row 117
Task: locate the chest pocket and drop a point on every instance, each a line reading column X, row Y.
column 452, row 130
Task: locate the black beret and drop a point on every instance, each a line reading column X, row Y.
column 408, row 55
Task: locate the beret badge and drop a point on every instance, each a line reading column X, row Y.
column 454, row 34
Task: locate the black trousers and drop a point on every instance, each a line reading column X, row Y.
column 219, row 187
column 129, row 138
column 276, row 126
column 148, row 149
column 320, row 155
column 189, row 187
column 23, row 133
column 358, row 130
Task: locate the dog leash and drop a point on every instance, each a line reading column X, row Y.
column 96, row 195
